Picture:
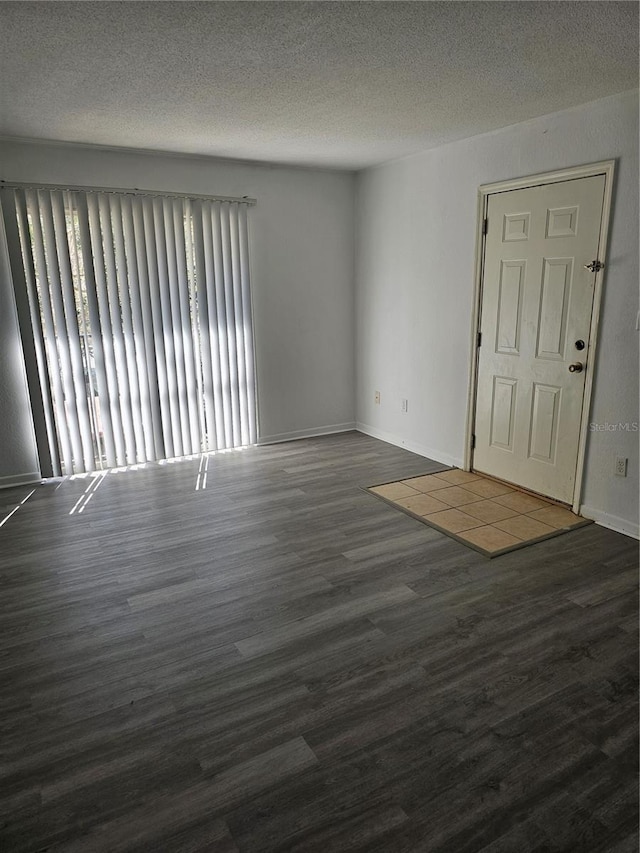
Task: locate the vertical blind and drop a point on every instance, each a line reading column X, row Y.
column 140, row 309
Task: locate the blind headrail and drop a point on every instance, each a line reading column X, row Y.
column 20, row 185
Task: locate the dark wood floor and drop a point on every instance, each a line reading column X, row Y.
column 281, row 662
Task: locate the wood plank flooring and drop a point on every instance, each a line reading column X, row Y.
column 280, row 662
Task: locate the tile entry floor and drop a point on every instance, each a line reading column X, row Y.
column 485, row 514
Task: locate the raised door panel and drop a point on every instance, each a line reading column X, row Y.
column 515, row 227
column 555, row 295
column 543, row 434
column 512, row 276
column 562, row 221
column 503, row 410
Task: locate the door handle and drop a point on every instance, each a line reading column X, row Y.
column 577, row 367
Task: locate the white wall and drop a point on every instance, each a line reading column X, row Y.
column 301, row 233
column 415, row 240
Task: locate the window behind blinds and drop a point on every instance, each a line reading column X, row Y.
column 140, row 313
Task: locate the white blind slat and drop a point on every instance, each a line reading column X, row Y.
column 79, row 288
column 153, row 291
column 53, row 251
column 182, row 403
column 143, row 327
column 239, row 323
column 182, row 237
column 193, row 221
column 77, row 404
column 167, row 328
column 249, row 359
column 111, row 399
column 210, row 335
column 225, row 233
column 20, row 207
column 123, row 400
column 216, row 285
column 136, row 331
column 124, row 297
column 49, row 329
column 105, row 423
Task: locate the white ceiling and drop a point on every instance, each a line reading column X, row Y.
column 334, row 84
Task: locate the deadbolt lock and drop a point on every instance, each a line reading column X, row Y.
column 580, row 344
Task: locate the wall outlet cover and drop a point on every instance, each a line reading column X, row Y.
column 621, row 466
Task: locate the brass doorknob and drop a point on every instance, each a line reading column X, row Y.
column 577, row 367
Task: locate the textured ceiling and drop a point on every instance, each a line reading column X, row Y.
column 337, row 84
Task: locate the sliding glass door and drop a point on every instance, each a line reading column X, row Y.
column 140, row 323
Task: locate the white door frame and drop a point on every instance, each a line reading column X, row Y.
column 606, row 168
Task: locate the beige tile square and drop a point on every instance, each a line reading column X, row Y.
column 521, row 502
column 524, row 527
column 488, row 488
column 393, row 491
column 422, row 504
column 456, row 496
column 556, row 517
column 489, row 511
column 489, row 538
column 428, row 483
column 453, row 520
column 456, row 477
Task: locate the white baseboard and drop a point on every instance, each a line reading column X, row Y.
column 613, row 522
column 329, row 429
column 420, row 449
column 20, row 479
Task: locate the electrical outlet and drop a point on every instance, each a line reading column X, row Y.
column 376, row 398
column 405, row 406
column 621, row 466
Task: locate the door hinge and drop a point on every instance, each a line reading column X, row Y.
column 485, row 226
column 479, row 344
column 473, row 441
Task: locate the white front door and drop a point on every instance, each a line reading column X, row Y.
column 537, row 299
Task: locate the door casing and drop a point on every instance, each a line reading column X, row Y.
column 606, row 168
